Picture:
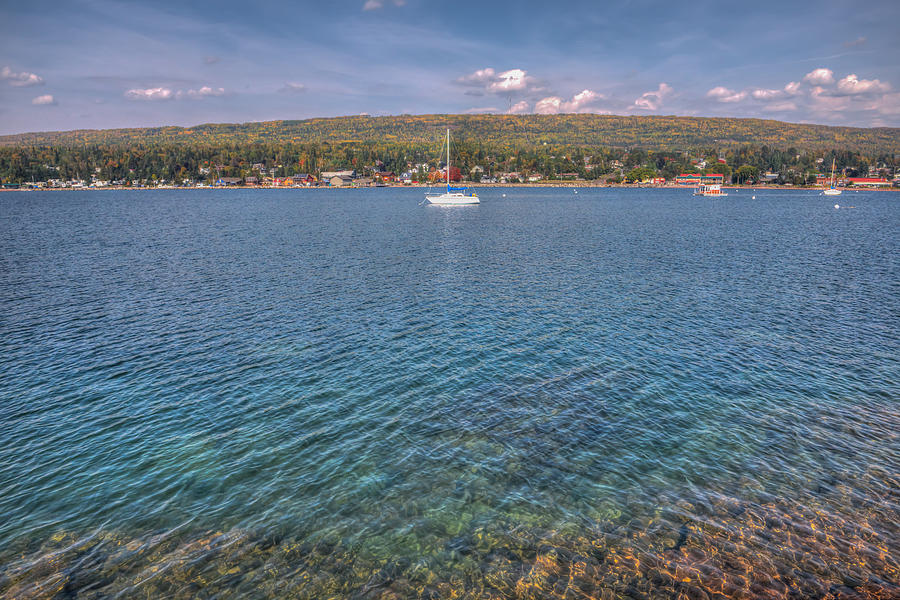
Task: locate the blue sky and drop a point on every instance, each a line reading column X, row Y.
column 111, row 63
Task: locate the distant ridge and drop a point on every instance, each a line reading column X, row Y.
column 511, row 130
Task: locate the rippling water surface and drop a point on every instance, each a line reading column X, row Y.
column 313, row 394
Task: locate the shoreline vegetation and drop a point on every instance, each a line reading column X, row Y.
column 546, row 185
column 539, row 150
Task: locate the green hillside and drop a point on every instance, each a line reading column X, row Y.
column 650, row 132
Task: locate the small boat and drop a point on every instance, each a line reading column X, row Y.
column 452, row 196
column 832, row 191
column 712, row 189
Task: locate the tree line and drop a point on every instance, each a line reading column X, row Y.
column 179, row 162
column 509, row 131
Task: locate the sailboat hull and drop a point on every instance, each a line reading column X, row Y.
column 452, row 199
column 832, row 192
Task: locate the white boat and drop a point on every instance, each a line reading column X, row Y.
column 832, row 191
column 453, row 195
column 712, row 189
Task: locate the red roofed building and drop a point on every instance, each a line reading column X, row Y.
column 869, row 181
column 696, row 179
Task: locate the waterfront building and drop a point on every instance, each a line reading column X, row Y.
column 698, row 179
column 870, row 182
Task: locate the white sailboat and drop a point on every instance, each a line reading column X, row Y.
column 832, row 191
column 453, row 195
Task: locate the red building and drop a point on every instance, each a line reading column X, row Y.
column 696, row 179
column 869, row 182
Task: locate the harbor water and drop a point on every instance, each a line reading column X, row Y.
column 345, row 394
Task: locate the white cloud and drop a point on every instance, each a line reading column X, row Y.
column 510, row 81
column 852, row 85
column 585, row 97
column 793, row 88
column 159, row 93
column 487, row 80
column 653, row 100
column 292, row 87
column 554, row 104
column 45, row 100
column 203, row 92
column 479, row 77
column 163, row 93
column 518, row 108
column 548, row 106
column 376, row 4
column 723, row 94
column 761, row 94
column 820, row 76
column 23, row 79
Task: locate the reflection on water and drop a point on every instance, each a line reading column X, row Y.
column 623, row 394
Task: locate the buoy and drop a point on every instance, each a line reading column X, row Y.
column 753, row 198
column 504, row 195
column 837, row 205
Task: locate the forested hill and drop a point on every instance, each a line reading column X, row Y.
column 650, row 132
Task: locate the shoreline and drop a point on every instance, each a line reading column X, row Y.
column 554, row 185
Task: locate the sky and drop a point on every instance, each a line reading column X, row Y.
column 75, row 64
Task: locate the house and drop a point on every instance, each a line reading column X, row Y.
column 327, row 175
column 535, row 177
column 303, row 179
column 251, row 180
column 340, row 181
column 696, row 179
column 385, row 176
column 869, row 182
column 224, row 181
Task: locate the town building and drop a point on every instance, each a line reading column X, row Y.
column 340, row 181
column 869, row 182
column 327, row 175
column 697, row 179
column 303, row 179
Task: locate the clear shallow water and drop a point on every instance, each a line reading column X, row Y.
column 619, row 393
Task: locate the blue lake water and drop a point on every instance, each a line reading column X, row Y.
column 327, row 393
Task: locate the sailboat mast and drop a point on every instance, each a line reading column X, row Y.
column 448, row 158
